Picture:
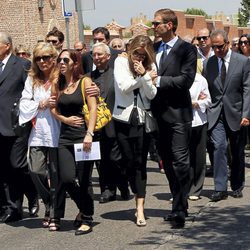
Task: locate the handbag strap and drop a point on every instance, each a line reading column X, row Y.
column 83, row 90
column 143, row 103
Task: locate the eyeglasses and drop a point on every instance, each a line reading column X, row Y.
column 244, row 42
column 64, row 59
column 204, row 38
column 139, row 55
column 219, row 47
column 52, row 41
column 155, row 23
column 21, row 53
column 235, row 44
column 44, row 58
column 79, row 50
column 116, row 46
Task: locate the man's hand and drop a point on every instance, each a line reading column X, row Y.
column 93, row 90
column 244, row 122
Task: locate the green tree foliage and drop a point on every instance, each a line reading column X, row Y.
column 87, row 27
column 193, row 11
column 244, row 13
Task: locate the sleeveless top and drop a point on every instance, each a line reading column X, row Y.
column 71, row 105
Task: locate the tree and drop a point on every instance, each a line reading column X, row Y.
column 87, row 27
column 244, row 13
column 194, row 11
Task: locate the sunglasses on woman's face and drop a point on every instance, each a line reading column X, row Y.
column 64, row 59
column 45, row 58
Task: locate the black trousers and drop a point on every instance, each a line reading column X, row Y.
column 73, row 177
column 174, row 139
column 134, row 143
column 198, row 158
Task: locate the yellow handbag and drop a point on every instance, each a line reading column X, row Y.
column 104, row 115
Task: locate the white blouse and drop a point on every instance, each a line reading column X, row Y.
column 200, row 86
column 46, row 129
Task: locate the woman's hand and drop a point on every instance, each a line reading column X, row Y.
column 87, row 142
column 153, row 75
column 48, row 103
column 139, row 68
column 73, row 121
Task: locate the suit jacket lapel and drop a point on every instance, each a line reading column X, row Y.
column 7, row 68
column 231, row 68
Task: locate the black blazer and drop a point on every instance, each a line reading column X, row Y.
column 87, row 60
column 105, row 82
column 173, row 102
column 234, row 96
column 12, row 82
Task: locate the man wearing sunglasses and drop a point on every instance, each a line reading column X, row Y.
column 228, row 76
column 56, row 38
column 176, row 61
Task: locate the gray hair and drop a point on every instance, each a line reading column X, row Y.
column 104, row 46
column 5, row 38
column 220, row 32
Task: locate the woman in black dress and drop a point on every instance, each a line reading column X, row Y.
column 73, row 176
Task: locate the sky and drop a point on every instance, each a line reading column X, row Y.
column 122, row 10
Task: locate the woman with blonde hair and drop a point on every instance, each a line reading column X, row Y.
column 35, row 105
column 74, row 176
column 135, row 78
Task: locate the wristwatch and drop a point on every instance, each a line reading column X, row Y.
column 90, row 133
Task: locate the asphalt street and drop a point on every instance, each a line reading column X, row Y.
column 221, row 225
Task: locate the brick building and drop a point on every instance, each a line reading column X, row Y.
column 28, row 21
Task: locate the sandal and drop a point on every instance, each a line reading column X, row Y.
column 46, row 220
column 54, row 225
column 85, row 228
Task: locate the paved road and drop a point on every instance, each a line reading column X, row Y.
column 221, row 225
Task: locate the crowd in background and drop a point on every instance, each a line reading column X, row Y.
column 197, row 89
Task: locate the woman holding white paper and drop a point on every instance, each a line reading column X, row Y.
column 74, row 176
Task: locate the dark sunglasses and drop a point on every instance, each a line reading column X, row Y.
column 79, row 50
column 244, row 42
column 21, row 53
column 64, row 59
column 155, row 23
column 202, row 37
column 52, row 41
column 235, row 44
column 219, row 47
column 44, row 58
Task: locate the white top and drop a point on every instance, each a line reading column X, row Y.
column 125, row 83
column 199, row 87
column 46, row 129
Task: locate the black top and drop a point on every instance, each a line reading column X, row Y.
column 71, row 105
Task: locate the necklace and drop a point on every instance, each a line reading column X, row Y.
column 69, row 86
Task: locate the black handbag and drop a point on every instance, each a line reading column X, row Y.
column 19, row 130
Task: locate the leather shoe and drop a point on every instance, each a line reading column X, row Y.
column 125, row 194
column 14, row 216
column 34, row 208
column 170, row 217
column 107, row 196
column 178, row 219
column 237, row 193
column 219, row 195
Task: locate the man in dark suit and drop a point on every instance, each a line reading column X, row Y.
column 13, row 73
column 172, row 107
column 228, row 76
column 100, row 35
column 109, row 167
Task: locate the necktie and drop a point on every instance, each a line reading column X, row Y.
column 163, row 56
column 1, row 67
column 223, row 71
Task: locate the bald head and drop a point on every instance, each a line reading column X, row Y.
column 5, row 45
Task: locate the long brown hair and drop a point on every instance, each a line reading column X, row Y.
column 35, row 73
column 146, row 43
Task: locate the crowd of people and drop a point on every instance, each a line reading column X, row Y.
column 197, row 90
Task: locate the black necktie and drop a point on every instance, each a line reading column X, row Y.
column 1, row 67
column 223, row 71
column 163, row 56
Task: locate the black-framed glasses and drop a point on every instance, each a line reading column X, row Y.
column 79, row 50
column 235, row 44
column 52, row 41
column 155, row 23
column 246, row 42
column 204, row 38
column 219, row 47
column 64, row 59
column 139, row 55
column 21, row 53
column 44, row 58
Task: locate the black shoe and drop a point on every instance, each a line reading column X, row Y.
column 178, row 219
column 125, row 194
column 107, row 196
column 170, row 217
column 219, row 195
column 238, row 193
column 14, row 216
column 34, row 208
column 89, row 227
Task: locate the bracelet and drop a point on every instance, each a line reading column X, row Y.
column 144, row 73
column 90, row 133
